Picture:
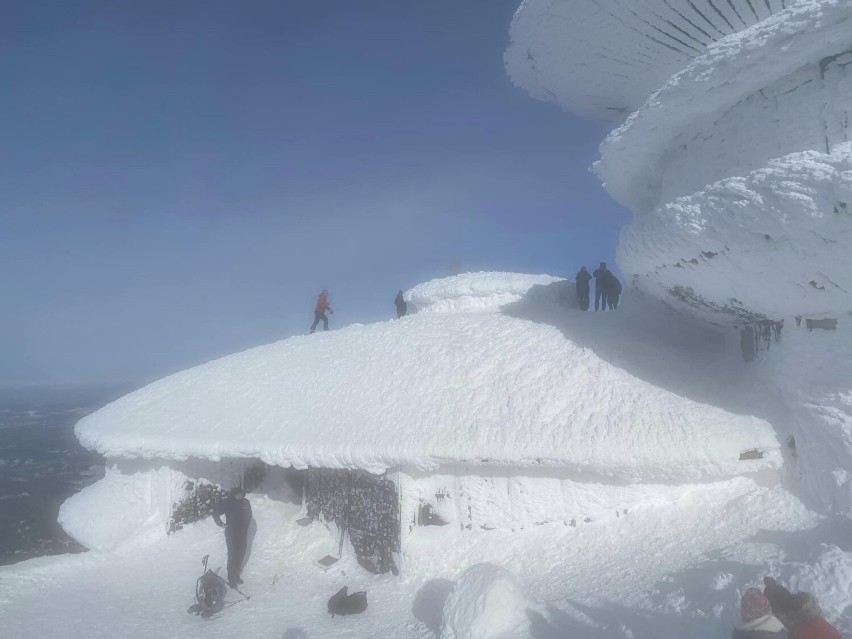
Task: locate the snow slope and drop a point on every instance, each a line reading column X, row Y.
column 476, row 386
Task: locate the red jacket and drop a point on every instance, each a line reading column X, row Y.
column 322, row 303
column 817, row 628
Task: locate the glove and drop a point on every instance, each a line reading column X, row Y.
column 220, row 524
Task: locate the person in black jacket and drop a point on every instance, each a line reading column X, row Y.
column 602, row 275
column 582, row 280
column 613, row 292
column 401, row 305
column 237, row 512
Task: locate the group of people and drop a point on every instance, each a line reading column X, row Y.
column 607, row 288
column 777, row 613
column 607, row 294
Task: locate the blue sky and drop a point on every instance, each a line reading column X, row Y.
column 178, row 180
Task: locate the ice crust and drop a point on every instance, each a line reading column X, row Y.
column 475, row 386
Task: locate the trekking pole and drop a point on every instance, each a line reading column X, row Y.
column 247, row 597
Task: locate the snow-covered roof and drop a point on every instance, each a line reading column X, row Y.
column 603, row 58
column 450, row 386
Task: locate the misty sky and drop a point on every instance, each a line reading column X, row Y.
column 178, row 180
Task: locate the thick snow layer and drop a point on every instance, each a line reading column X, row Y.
column 505, row 387
column 123, row 507
column 777, row 242
column 486, row 603
column 602, row 59
column 812, row 375
column 474, row 291
column 635, row 155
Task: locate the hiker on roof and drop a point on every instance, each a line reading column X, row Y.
column 319, row 311
column 582, row 280
column 401, row 305
column 613, row 292
column 758, row 620
column 800, row 612
column 237, row 512
column 602, row 275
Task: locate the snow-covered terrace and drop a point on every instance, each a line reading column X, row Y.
column 460, row 381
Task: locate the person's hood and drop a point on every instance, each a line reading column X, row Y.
column 766, row 623
column 809, row 609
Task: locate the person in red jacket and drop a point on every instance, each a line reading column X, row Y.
column 319, row 312
column 800, row 612
column 806, row 620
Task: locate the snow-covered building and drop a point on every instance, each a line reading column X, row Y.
column 733, row 148
column 482, row 409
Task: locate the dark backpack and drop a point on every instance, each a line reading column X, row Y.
column 344, row 604
column 210, row 594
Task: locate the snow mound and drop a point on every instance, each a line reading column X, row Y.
column 429, row 390
column 122, row 508
column 486, row 603
column 473, row 291
column 777, row 242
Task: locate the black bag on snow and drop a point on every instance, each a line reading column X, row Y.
column 210, row 591
column 344, row 604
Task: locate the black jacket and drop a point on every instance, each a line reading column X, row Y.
column 582, row 279
column 602, row 276
column 237, row 513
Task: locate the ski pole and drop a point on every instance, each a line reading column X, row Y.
column 247, row 597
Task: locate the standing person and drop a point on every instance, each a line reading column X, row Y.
column 758, row 621
column 237, row 511
column 582, row 279
column 601, row 282
column 613, row 291
column 320, row 309
column 401, row 305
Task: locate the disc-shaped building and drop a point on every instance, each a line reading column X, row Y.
column 733, row 148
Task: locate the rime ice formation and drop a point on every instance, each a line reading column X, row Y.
column 737, row 162
column 602, row 58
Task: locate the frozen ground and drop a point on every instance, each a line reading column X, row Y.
column 664, row 570
column 669, row 572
